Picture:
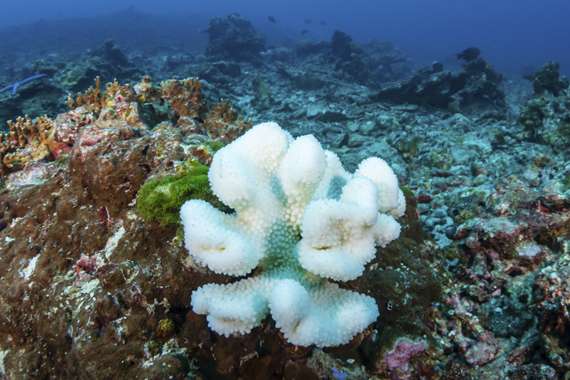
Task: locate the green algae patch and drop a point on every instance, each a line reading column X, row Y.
column 160, row 199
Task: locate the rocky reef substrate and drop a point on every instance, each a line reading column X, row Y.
column 96, row 282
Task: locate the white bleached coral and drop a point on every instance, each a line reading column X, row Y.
column 300, row 219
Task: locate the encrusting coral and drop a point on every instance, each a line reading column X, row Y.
column 300, row 220
column 224, row 123
column 27, row 140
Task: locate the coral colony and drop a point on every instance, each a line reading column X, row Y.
column 301, row 220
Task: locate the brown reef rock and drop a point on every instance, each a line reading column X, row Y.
column 93, row 290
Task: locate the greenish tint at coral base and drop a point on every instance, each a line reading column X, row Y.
column 160, row 199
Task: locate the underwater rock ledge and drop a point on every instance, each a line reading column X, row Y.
column 94, row 280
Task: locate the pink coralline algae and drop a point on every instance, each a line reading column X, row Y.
column 85, row 267
column 404, row 350
column 482, row 351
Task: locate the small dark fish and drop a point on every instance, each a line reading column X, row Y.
column 272, row 19
column 304, row 32
column 323, row 23
column 308, row 21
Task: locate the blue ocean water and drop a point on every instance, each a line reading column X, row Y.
column 514, row 34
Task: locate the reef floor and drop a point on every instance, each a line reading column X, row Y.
column 95, row 283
